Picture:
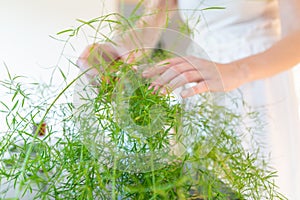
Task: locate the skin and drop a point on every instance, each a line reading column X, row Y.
column 213, row 77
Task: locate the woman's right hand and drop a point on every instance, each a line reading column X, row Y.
column 98, row 58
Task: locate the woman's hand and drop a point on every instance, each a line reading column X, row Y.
column 209, row 76
column 97, row 58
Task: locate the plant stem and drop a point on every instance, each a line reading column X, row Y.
column 114, row 179
column 153, row 176
column 22, row 174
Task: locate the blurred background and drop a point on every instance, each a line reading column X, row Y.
column 30, row 46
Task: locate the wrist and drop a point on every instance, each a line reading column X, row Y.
column 243, row 71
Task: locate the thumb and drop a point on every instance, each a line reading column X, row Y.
column 197, row 89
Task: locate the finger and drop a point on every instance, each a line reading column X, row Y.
column 182, row 79
column 197, row 89
column 82, row 59
column 128, row 57
column 173, row 72
column 134, row 68
column 154, row 71
column 162, row 66
column 166, row 77
column 181, row 68
column 84, row 67
column 107, row 52
column 172, row 61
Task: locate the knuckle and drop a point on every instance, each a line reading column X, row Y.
column 183, row 76
column 173, row 70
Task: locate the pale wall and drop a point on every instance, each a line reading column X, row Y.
column 25, row 45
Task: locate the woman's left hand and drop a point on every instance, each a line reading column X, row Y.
column 209, row 76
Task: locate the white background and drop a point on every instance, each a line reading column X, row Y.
column 26, row 47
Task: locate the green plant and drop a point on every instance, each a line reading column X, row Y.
column 68, row 168
column 121, row 142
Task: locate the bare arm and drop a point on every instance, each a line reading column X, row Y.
column 148, row 29
column 143, row 36
column 284, row 54
column 216, row 77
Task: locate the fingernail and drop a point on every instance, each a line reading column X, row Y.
column 184, row 94
column 150, row 87
column 163, row 91
column 135, row 68
column 145, row 74
column 156, row 87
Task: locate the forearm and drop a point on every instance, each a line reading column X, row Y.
column 282, row 56
column 146, row 33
